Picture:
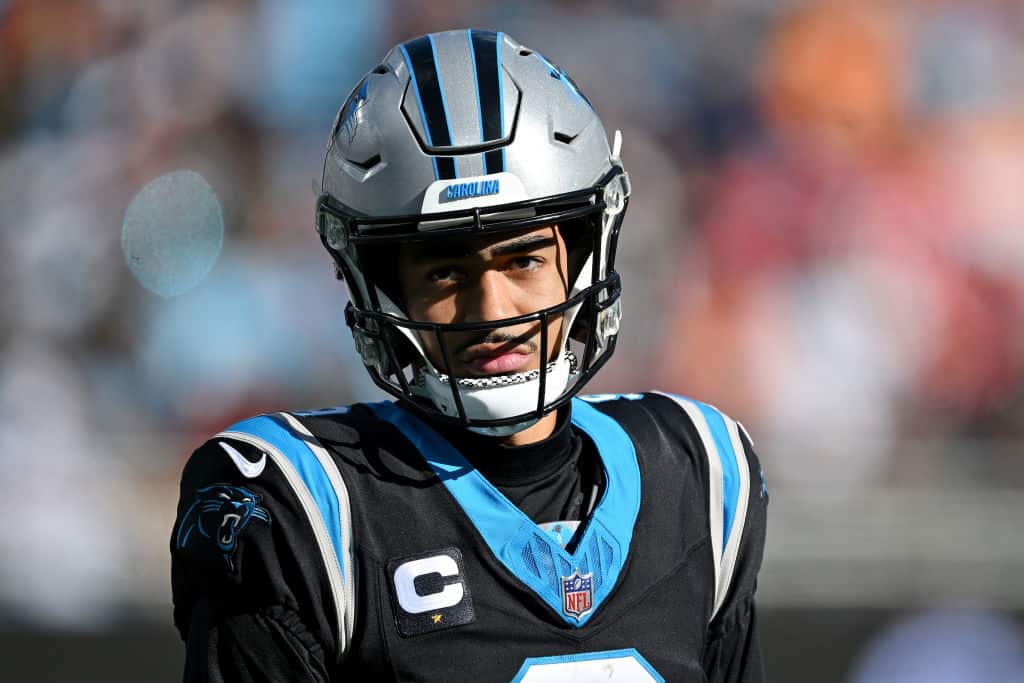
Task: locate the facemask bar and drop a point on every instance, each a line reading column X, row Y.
column 373, row 328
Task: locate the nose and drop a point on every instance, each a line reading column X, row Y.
column 490, row 299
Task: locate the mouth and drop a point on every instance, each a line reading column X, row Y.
column 496, row 358
column 498, row 364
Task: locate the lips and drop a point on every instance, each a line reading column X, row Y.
column 496, row 358
column 500, row 364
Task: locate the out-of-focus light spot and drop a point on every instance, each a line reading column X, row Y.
column 173, row 232
column 945, row 646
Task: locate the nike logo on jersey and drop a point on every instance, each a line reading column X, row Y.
column 249, row 469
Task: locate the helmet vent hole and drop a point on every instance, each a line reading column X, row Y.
column 368, row 164
column 381, row 69
column 564, row 138
column 525, row 53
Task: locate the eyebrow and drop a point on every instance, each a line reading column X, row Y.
column 526, row 243
column 441, row 251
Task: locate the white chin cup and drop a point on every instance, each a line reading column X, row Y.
column 498, row 396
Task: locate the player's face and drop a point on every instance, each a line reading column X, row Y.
column 486, row 279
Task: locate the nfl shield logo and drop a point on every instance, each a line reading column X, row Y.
column 577, row 594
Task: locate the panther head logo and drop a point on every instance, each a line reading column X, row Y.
column 218, row 515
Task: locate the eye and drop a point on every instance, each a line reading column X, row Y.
column 445, row 274
column 526, row 262
column 247, row 500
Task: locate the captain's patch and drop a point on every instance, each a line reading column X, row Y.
column 217, row 516
column 429, row 592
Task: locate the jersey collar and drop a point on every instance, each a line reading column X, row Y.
column 530, row 554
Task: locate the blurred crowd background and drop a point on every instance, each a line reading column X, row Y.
column 826, row 239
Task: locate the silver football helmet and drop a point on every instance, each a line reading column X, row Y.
column 464, row 133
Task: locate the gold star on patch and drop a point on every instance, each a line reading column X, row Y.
column 436, row 618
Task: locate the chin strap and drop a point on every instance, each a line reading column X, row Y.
column 496, row 397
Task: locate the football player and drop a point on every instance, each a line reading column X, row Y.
column 488, row 524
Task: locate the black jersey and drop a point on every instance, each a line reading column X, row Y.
column 359, row 544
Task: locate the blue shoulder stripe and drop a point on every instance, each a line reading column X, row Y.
column 315, row 480
column 728, row 488
column 308, row 468
column 730, row 467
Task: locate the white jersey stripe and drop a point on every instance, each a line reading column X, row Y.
column 745, row 432
column 725, row 553
column 740, row 518
column 716, row 489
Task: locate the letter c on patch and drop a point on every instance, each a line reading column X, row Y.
column 405, row 589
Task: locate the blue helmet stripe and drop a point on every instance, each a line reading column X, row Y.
column 501, row 96
column 476, row 84
column 485, row 48
column 419, row 103
column 421, row 57
column 444, row 108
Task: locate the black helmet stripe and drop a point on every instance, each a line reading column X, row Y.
column 486, row 51
column 426, row 80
